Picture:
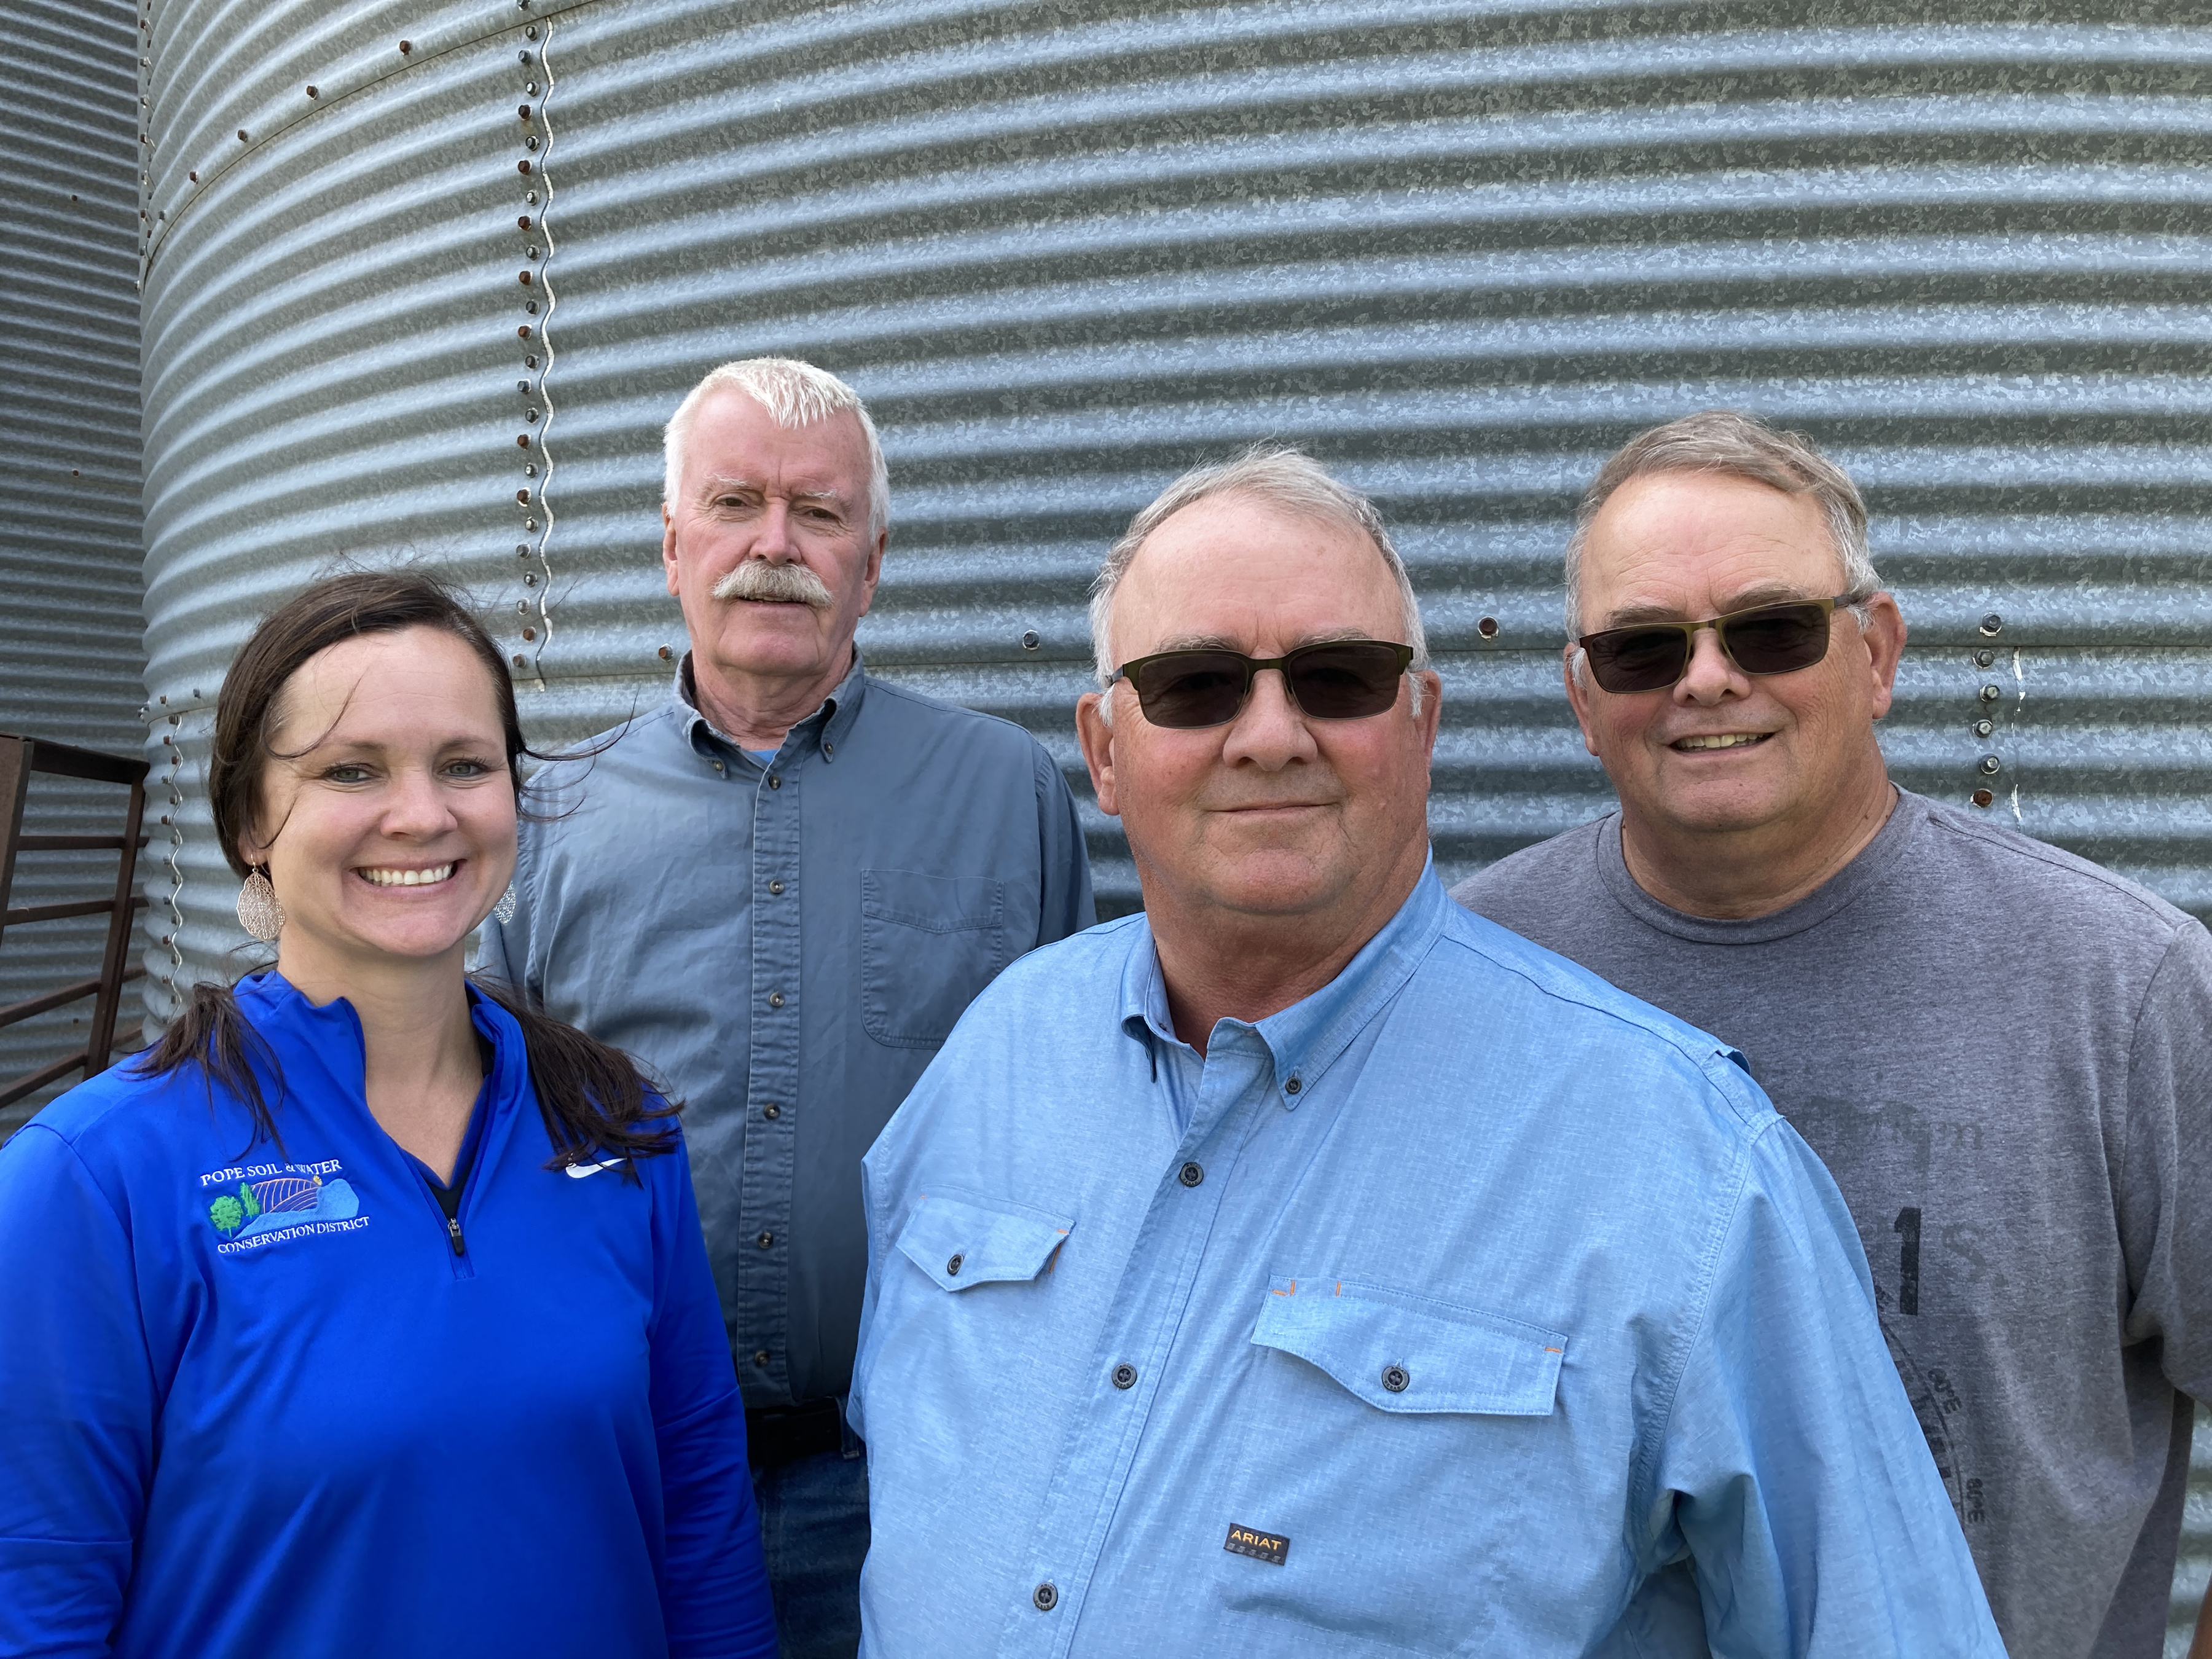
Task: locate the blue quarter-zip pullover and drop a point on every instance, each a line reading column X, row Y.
column 258, row 1402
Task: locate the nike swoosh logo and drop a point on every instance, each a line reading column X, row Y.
column 578, row 1171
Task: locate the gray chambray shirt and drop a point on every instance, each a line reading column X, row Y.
column 786, row 947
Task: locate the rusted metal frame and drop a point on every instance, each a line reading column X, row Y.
column 32, row 1081
column 15, row 785
column 19, row 758
column 126, row 905
column 41, row 1003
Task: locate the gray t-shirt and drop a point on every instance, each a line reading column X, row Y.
column 2004, row 1055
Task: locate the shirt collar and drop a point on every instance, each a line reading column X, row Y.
column 826, row 727
column 1306, row 1038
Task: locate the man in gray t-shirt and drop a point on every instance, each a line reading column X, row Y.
column 2002, row 1052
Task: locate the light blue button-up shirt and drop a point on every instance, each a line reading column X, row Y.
column 1467, row 1306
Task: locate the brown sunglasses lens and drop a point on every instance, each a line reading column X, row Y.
column 1195, row 689
column 1776, row 639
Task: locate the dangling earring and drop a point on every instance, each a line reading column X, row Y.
column 505, row 908
column 258, row 912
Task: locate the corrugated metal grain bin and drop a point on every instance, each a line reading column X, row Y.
column 425, row 280
column 70, row 656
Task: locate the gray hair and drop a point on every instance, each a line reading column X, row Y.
column 794, row 394
column 1284, row 478
column 1734, row 446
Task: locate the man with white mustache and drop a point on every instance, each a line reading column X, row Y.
column 780, row 890
column 2002, row 1052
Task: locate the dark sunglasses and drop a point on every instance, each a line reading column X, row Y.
column 1767, row 639
column 1334, row 680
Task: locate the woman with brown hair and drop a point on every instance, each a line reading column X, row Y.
column 366, row 1314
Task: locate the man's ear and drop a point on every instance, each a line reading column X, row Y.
column 1883, row 632
column 668, row 562
column 1432, row 709
column 874, row 573
column 1577, row 694
column 1095, row 734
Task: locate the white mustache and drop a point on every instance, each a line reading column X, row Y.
column 778, row 584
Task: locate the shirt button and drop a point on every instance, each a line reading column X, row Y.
column 1394, row 1378
column 718, row 767
column 1046, row 1595
column 771, row 1111
column 773, row 781
column 775, row 887
column 952, row 1267
column 765, row 1240
column 760, row 1359
column 829, row 748
column 775, row 999
column 1190, row 1175
column 1292, row 1086
column 1125, row 1376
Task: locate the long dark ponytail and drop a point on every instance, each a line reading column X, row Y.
column 591, row 1097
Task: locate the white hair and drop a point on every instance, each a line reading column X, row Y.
column 1284, row 478
column 794, row 394
column 1724, row 443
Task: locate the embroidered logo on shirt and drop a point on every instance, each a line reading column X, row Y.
column 264, row 1204
column 1260, row 1546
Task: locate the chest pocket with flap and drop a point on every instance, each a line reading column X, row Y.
column 1401, row 1352
column 961, row 1241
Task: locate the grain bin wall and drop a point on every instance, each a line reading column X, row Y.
column 71, row 662
column 425, row 278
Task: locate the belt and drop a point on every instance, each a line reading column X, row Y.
column 776, row 1435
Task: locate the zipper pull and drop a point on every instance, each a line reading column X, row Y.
column 454, row 1231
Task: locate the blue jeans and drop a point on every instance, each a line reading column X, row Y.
column 814, row 1527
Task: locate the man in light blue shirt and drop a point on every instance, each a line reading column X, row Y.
column 1306, row 1266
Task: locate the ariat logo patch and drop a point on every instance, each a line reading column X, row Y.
column 264, row 1204
column 1260, row 1546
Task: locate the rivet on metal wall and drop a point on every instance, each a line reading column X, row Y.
column 521, row 608
column 529, row 580
column 1991, row 693
column 531, row 142
column 311, row 93
column 1984, row 659
column 1983, row 728
column 528, row 471
column 531, row 197
column 406, row 45
column 523, row 332
column 1982, row 798
column 1992, row 624
column 522, row 166
column 521, row 495
column 523, row 278
column 523, row 110
column 529, row 633
column 665, row 653
column 1029, row 640
column 530, row 306
column 519, row 660
column 1991, row 766
column 524, row 221
column 1487, row 628
column 522, row 440
column 529, row 33
column 242, row 135
column 194, row 177
column 522, row 549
